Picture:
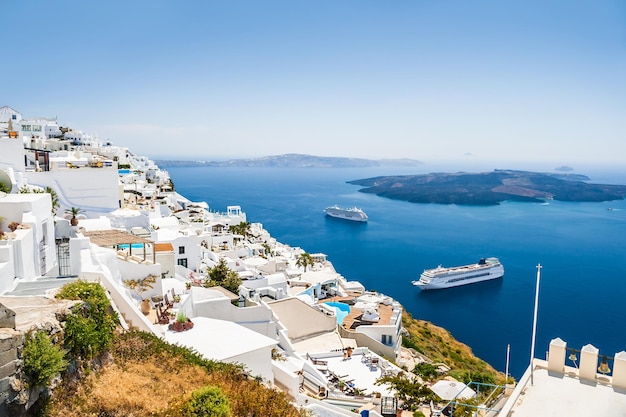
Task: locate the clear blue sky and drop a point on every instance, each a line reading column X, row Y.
column 467, row 80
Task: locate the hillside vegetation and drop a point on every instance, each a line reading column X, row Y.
column 145, row 376
column 439, row 345
column 107, row 372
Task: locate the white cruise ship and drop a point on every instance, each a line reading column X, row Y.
column 440, row 277
column 354, row 214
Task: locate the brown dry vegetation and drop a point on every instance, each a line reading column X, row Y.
column 150, row 378
column 439, row 345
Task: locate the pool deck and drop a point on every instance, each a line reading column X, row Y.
column 352, row 321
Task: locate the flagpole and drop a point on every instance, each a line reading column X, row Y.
column 532, row 343
column 506, row 372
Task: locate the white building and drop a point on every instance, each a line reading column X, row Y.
column 30, row 250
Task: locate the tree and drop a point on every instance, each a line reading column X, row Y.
column 74, row 211
column 43, row 360
column 426, row 370
column 89, row 329
column 54, row 197
column 221, row 275
column 207, row 401
column 139, row 286
column 242, row 229
column 304, row 260
column 410, row 393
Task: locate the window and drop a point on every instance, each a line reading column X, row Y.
column 14, row 116
column 181, row 250
column 26, row 128
column 386, row 339
column 183, row 262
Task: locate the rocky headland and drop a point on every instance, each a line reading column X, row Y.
column 489, row 188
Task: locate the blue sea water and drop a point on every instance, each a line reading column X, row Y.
column 581, row 247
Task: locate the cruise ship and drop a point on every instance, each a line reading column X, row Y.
column 354, row 213
column 440, row 277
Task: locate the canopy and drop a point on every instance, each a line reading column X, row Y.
column 448, row 390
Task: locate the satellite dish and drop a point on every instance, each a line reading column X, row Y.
column 6, row 185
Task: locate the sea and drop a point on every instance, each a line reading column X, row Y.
column 581, row 248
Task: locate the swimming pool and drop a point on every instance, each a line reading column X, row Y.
column 123, row 171
column 341, row 310
column 134, row 246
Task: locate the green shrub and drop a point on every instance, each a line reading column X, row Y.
column 42, row 358
column 89, row 329
column 207, row 402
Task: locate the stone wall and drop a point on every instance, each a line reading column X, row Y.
column 11, row 345
column 18, row 316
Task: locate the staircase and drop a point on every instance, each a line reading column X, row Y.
column 39, row 286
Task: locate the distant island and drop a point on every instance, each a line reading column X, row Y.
column 293, row 160
column 490, row 188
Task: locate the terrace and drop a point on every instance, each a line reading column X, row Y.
column 589, row 387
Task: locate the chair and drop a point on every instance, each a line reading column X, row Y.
column 162, row 315
column 169, row 304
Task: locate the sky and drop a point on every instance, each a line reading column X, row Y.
column 519, row 81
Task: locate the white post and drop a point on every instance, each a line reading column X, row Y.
column 619, row 370
column 506, row 371
column 507, row 390
column 532, row 343
column 588, row 368
column 556, row 355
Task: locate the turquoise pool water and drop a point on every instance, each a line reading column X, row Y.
column 123, row 171
column 134, row 246
column 341, row 310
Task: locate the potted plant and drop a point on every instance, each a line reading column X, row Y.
column 139, row 286
column 74, row 211
column 181, row 323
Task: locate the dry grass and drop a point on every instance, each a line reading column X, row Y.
column 438, row 344
column 156, row 381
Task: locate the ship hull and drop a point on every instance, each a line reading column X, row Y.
column 440, row 278
column 353, row 214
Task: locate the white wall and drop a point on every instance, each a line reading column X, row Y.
column 33, row 211
column 256, row 318
column 257, row 362
column 7, row 266
column 12, row 154
column 95, row 190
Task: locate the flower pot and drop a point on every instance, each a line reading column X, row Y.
column 179, row 326
column 145, row 307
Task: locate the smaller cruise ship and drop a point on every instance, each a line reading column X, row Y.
column 354, row 213
column 440, row 277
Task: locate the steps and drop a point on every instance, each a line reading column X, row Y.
column 39, row 286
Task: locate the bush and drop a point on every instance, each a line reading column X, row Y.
column 89, row 329
column 42, row 358
column 207, row 402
